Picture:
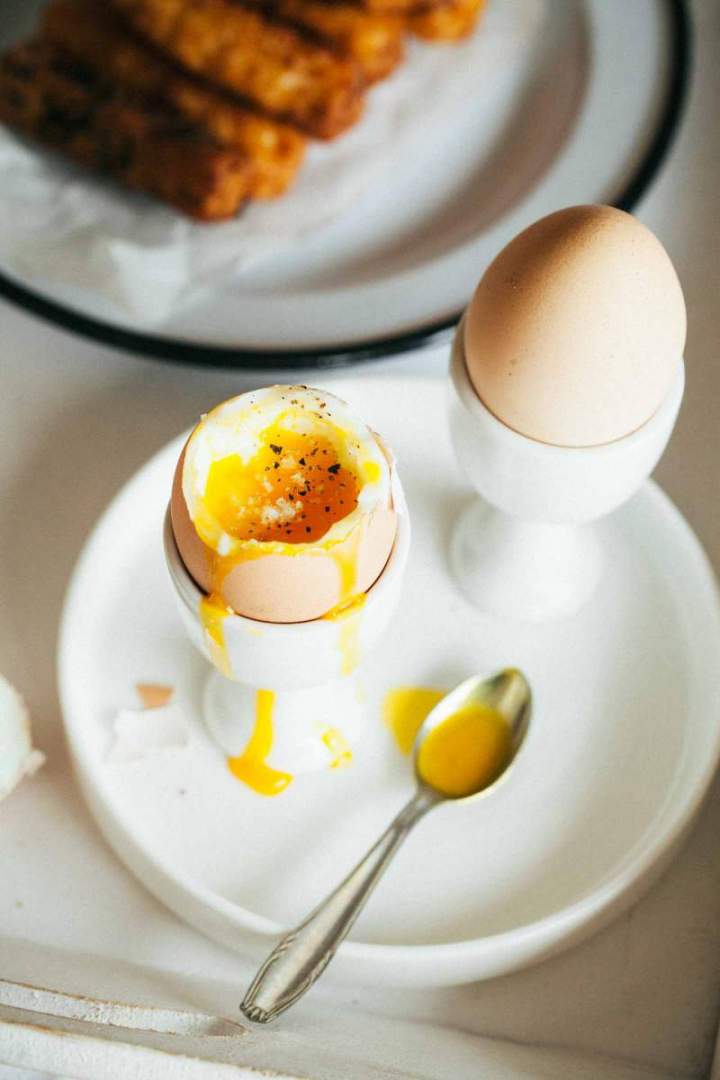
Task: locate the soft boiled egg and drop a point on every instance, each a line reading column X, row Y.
column 577, row 328
column 281, row 506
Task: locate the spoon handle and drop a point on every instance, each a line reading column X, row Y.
column 300, row 957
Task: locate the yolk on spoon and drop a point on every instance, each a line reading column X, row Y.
column 213, row 612
column 462, row 755
column 466, row 752
column 348, row 614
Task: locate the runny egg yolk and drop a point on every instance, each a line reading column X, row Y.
column 348, row 614
column 466, row 752
column 251, row 766
column 336, row 745
column 292, row 490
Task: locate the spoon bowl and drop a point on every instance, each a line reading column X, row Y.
column 506, row 695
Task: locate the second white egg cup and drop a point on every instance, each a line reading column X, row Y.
column 526, row 549
column 309, row 667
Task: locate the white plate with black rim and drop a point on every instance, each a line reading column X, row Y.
column 586, row 115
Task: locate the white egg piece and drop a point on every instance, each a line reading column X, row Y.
column 17, row 756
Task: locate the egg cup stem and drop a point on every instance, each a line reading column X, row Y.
column 527, row 570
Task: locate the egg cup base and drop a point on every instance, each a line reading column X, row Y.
column 310, row 729
column 525, row 570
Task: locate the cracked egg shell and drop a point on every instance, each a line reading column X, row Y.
column 281, row 509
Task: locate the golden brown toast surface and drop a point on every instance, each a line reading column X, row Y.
column 374, row 40
column 263, row 61
column 93, row 34
column 45, row 94
column 447, row 21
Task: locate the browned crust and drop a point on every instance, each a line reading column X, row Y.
column 89, row 31
column 374, row 40
column 397, row 7
column 263, row 61
column 47, row 95
column 448, row 21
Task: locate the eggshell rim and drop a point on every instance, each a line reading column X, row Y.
column 339, row 530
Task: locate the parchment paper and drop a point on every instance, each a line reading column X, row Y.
column 64, row 225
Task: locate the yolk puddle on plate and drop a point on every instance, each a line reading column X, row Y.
column 462, row 755
column 251, row 766
column 348, row 616
column 405, row 709
column 466, row 752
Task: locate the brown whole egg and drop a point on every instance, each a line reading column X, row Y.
column 576, row 329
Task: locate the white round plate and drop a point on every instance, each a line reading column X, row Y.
column 577, row 113
column 623, row 743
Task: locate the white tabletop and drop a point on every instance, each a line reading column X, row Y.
column 76, row 419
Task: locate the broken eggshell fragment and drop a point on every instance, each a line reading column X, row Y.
column 17, row 756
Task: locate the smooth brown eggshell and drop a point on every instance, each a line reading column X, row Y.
column 285, row 588
column 577, row 328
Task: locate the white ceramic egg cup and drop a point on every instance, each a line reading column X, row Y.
column 310, row 667
column 526, row 549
